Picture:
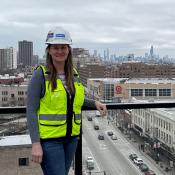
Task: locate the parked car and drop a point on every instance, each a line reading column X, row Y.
column 138, row 161
column 114, row 137
column 168, row 169
column 110, row 133
column 101, row 137
column 97, row 114
column 150, row 172
column 143, row 167
column 89, row 118
column 96, row 124
column 90, row 163
column 133, row 156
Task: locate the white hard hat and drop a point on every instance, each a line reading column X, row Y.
column 58, row 36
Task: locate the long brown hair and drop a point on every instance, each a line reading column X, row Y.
column 68, row 69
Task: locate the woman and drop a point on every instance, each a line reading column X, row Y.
column 55, row 98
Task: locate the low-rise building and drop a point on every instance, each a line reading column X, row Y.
column 125, row 88
column 157, row 124
column 15, row 157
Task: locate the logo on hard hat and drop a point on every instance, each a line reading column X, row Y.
column 49, row 35
column 60, row 35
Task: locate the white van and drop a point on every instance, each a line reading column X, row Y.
column 97, row 114
column 90, row 163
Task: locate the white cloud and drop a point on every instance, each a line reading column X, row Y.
column 122, row 25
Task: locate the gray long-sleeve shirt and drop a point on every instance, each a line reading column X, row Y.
column 34, row 93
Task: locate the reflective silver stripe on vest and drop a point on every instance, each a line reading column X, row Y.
column 77, row 116
column 53, row 117
column 57, row 117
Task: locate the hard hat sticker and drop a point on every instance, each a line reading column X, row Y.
column 60, row 35
column 50, row 35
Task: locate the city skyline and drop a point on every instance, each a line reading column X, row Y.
column 123, row 26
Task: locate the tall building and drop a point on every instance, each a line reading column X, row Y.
column 151, row 52
column 25, row 49
column 8, row 59
column 2, row 59
column 11, row 58
column 107, row 54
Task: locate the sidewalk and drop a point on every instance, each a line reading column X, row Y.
column 136, row 141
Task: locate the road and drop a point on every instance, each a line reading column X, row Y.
column 110, row 155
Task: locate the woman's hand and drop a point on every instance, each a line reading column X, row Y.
column 101, row 108
column 37, row 152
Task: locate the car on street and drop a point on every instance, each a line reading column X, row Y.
column 150, row 172
column 138, row 161
column 89, row 118
column 90, row 163
column 101, row 137
column 143, row 167
column 114, row 137
column 110, row 133
column 168, row 169
column 96, row 124
column 133, row 156
column 97, row 114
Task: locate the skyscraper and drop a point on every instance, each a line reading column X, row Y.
column 3, row 61
column 25, row 52
column 151, row 52
column 11, row 58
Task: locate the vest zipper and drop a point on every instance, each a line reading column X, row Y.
column 69, row 115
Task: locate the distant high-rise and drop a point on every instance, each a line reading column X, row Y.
column 151, row 52
column 11, row 58
column 8, row 59
column 2, row 59
column 25, row 52
column 104, row 55
column 95, row 53
column 107, row 54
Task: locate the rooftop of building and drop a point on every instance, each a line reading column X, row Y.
column 108, row 80
column 163, row 112
column 15, row 140
column 150, row 80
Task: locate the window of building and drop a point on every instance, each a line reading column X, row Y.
column 164, row 92
column 4, row 99
column 23, row 161
column 166, row 125
column 108, row 91
column 20, row 99
column 20, row 93
column 170, row 139
column 150, row 92
column 4, row 92
column 136, row 92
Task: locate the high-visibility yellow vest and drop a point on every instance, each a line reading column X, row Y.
column 52, row 113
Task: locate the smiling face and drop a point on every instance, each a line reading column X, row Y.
column 58, row 52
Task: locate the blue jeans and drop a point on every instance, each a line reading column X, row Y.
column 58, row 156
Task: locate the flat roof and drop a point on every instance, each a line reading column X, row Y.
column 151, row 80
column 15, row 140
column 165, row 112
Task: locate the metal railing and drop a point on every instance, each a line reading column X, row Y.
column 78, row 155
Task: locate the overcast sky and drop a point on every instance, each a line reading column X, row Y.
column 123, row 26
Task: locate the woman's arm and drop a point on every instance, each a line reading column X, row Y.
column 34, row 94
column 101, row 107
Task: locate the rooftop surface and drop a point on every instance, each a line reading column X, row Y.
column 15, row 140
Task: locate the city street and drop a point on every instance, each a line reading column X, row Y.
column 111, row 156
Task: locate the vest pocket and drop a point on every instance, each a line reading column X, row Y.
column 76, row 124
column 52, row 130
